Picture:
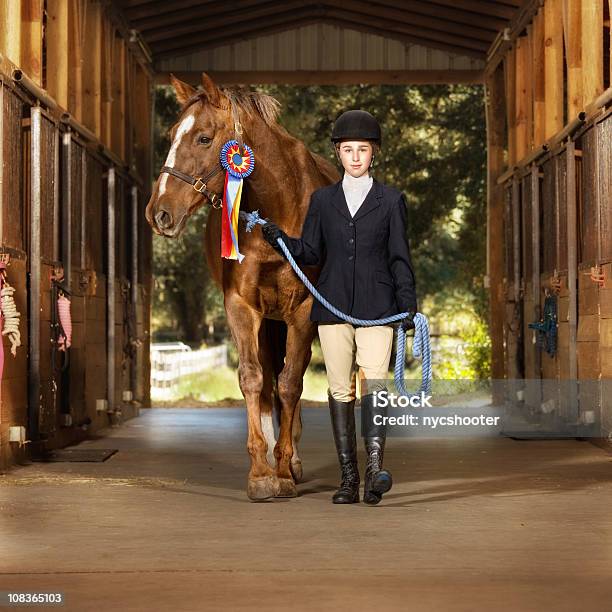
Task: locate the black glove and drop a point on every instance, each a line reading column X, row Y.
column 271, row 232
column 408, row 322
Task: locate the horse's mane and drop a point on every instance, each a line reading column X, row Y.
column 244, row 99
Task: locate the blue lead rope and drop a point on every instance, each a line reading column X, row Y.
column 421, row 347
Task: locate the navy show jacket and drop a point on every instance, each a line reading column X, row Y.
column 367, row 270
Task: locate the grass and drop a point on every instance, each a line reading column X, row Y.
column 222, row 384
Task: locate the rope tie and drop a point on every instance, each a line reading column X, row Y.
column 9, row 315
column 63, row 309
column 421, row 347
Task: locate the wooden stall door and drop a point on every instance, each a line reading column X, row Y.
column 15, row 155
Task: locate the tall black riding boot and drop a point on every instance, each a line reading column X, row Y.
column 343, row 425
column 377, row 480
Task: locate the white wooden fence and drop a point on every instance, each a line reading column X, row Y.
column 171, row 362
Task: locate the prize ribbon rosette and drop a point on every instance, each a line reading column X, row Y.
column 238, row 165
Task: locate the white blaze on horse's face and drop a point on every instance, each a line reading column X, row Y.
column 183, row 129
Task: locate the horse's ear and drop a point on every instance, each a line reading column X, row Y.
column 212, row 91
column 184, row 91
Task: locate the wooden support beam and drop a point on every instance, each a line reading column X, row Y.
column 32, row 39
column 10, row 30
column 58, row 50
column 572, row 34
column 522, row 90
column 553, row 68
column 592, row 50
column 92, row 70
column 77, row 41
column 510, row 81
column 328, row 77
column 495, row 103
column 118, row 98
column 108, row 38
column 538, row 80
column 610, row 45
column 529, row 88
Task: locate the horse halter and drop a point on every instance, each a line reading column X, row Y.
column 199, row 182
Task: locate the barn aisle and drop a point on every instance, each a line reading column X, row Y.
column 471, row 524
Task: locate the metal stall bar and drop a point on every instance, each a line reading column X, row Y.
column 34, row 304
column 134, row 289
column 572, row 274
column 535, row 255
column 83, row 245
column 110, row 291
column 56, row 197
column 67, row 208
column 516, row 261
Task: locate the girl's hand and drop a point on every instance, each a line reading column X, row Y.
column 271, row 232
column 408, row 322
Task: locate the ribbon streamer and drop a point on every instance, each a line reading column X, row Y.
column 238, row 165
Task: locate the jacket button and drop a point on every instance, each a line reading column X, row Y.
column 350, row 257
column 351, row 224
column 351, row 241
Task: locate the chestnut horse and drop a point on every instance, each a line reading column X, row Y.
column 267, row 306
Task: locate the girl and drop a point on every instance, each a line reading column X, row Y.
column 356, row 229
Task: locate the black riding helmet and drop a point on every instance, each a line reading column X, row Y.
column 356, row 125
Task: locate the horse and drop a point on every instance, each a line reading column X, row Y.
column 267, row 306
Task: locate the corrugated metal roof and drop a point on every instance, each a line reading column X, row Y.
column 319, row 47
column 188, row 28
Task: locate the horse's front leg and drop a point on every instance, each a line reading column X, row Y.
column 300, row 333
column 244, row 323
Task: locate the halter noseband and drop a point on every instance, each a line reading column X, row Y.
column 199, row 183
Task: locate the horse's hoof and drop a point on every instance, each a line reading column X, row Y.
column 296, row 470
column 259, row 489
column 287, row 488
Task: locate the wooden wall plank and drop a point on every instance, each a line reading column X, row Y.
column 108, row 48
column 553, row 68
column 92, row 70
column 523, row 87
column 610, row 44
column 572, row 34
column 495, row 110
column 510, row 80
column 10, row 30
column 58, row 65
column 592, row 50
column 31, row 39
column 118, row 126
column 538, row 80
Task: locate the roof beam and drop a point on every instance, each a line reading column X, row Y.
column 148, row 8
column 479, row 7
column 203, row 11
column 328, row 77
column 450, row 13
column 423, row 34
column 254, row 9
column 407, row 17
column 246, row 31
column 257, row 14
column 202, row 36
column 228, row 35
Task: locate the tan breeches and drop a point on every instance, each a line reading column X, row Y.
column 344, row 346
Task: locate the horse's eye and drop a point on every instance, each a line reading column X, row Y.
column 204, row 140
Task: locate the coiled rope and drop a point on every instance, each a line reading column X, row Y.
column 9, row 312
column 421, row 347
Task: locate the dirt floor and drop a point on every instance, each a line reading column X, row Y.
column 164, row 524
